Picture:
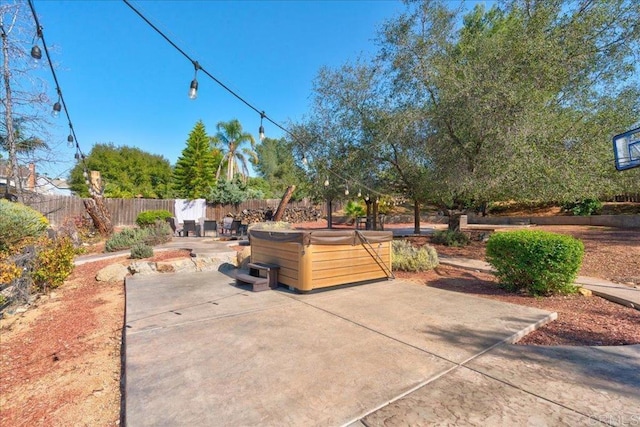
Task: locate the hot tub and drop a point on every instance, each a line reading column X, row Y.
column 314, row 259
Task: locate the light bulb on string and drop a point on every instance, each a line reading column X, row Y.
column 193, row 87
column 359, row 193
column 326, row 182
column 261, row 129
column 70, row 142
column 36, row 52
column 346, row 191
column 304, row 160
column 57, row 107
column 366, row 198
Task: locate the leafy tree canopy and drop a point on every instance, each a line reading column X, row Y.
column 518, row 103
column 277, row 166
column 233, row 192
column 125, row 171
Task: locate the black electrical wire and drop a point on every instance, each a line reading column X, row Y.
column 262, row 114
column 40, row 35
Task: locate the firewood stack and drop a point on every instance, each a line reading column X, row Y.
column 291, row 215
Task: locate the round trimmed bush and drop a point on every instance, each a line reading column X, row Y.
column 538, row 262
column 148, row 218
column 141, row 250
column 406, row 257
column 18, row 223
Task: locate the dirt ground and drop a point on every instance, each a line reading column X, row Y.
column 60, row 360
column 611, row 254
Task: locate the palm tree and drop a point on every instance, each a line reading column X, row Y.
column 231, row 137
column 23, row 143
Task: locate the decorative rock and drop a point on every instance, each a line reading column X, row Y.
column 181, row 265
column 112, row 273
column 585, row 292
column 165, row 268
column 244, row 257
column 142, row 268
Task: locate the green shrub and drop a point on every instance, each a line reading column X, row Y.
column 450, row 238
column 538, row 262
column 141, row 250
column 584, row 207
column 125, row 239
column 54, row 263
column 406, row 257
column 158, row 233
column 354, row 209
column 148, row 218
column 19, row 223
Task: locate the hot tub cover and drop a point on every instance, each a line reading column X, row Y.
column 322, row 237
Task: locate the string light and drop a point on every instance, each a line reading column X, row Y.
column 366, row 198
column 193, row 87
column 359, row 193
column 261, row 130
column 326, row 182
column 70, row 141
column 304, row 160
column 36, row 53
column 346, row 191
column 56, row 109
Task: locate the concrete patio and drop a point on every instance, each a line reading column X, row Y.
column 201, row 351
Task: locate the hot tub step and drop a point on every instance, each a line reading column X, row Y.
column 257, row 283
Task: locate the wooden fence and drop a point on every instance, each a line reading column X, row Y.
column 124, row 211
column 626, row 198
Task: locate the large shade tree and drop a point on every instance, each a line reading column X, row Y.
column 125, row 172
column 194, row 174
column 518, row 102
column 231, row 137
column 521, row 102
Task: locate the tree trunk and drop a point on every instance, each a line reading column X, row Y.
column 368, row 224
column 329, row 214
column 99, row 214
column 454, row 219
column 374, row 219
column 13, row 167
column 416, row 217
column 283, row 203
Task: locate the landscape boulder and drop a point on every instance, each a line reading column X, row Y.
column 112, row 273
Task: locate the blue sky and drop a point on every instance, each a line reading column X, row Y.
column 124, row 84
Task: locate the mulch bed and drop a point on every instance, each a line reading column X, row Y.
column 581, row 320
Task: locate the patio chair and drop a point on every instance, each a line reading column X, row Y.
column 190, row 226
column 209, row 225
column 177, row 230
column 227, row 225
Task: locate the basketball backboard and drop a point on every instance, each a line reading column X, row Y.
column 626, row 148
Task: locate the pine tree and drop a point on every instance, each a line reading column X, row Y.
column 195, row 170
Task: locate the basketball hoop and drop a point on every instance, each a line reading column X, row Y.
column 626, row 148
